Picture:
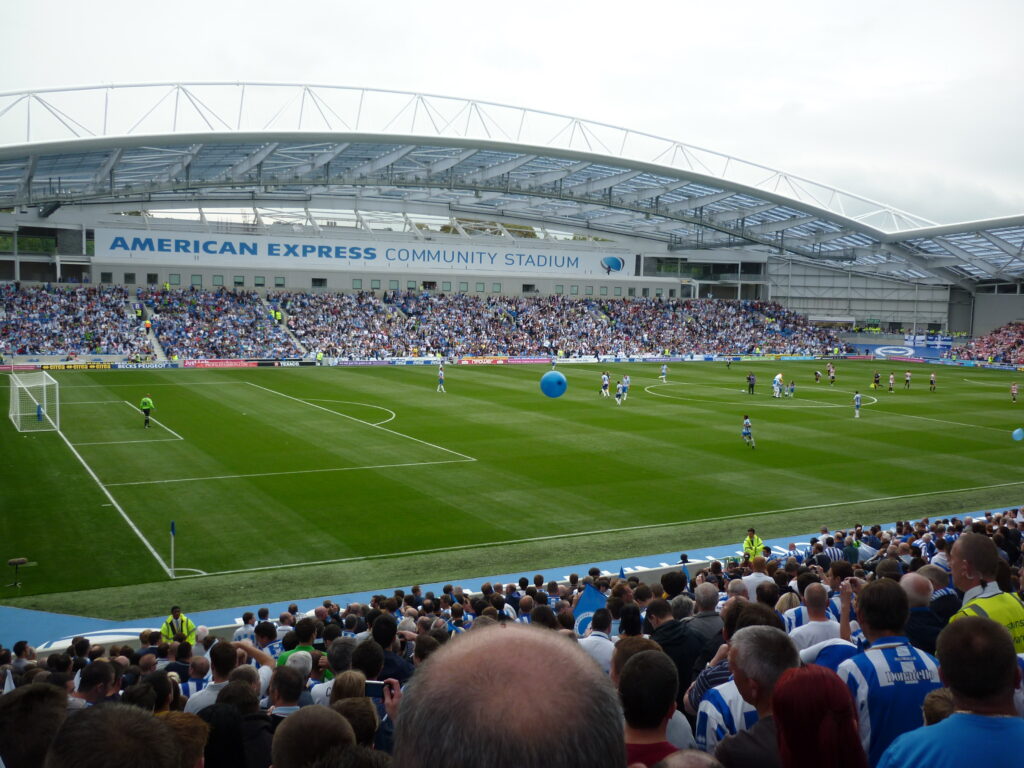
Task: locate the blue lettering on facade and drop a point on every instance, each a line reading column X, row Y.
column 170, row 245
column 454, row 258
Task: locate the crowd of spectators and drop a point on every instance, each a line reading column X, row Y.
column 713, row 326
column 70, row 321
column 195, row 323
column 454, row 325
column 1003, row 345
column 345, row 325
column 867, row 647
column 459, row 324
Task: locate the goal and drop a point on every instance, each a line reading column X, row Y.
column 35, row 402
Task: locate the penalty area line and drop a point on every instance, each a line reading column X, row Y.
column 126, row 442
column 158, row 423
column 367, row 423
column 287, row 472
column 117, row 506
column 604, row 531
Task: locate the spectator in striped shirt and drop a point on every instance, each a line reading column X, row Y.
column 890, row 680
column 266, row 639
column 832, row 552
column 945, row 600
column 198, row 676
column 723, row 711
column 246, row 630
column 757, row 657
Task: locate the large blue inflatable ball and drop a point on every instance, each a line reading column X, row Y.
column 1018, row 434
column 553, row 384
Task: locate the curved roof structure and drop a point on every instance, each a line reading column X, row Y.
column 173, row 145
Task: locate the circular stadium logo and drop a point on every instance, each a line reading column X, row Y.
column 612, row 264
column 583, row 622
column 894, row 351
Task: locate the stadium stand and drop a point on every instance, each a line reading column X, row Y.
column 711, row 326
column 80, row 320
column 196, row 324
column 1003, row 345
column 255, row 687
column 353, row 326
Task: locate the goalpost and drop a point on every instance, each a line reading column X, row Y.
column 35, row 402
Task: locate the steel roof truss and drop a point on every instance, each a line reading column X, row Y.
column 588, row 188
column 249, row 163
column 966, row 256
column 539, row 180
column 499, row 169
column 25, row 183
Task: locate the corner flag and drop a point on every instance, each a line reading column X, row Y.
column 591, row 600
column 172, row 527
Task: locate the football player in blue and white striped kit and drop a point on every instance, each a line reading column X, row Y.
column 746, row 433
column 889, row 680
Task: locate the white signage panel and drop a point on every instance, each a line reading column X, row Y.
column 356, row 253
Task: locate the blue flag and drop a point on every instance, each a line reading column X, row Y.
column 590, row 601
column 172, row 527
column 622, row 572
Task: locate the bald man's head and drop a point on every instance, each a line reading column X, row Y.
column 479, row 684
column 918, row 589
column 938, row 577
column 816, row 598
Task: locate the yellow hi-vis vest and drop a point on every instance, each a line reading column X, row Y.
column 1005, row 608
column 753, row 546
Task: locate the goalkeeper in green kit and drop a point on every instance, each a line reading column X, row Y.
column 146, row 406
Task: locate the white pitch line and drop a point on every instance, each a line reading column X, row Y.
column 783, row 404
column 940, row 421
column 604, row 531
column 158, row 423
column 352, row 402
column 117, row 506
column 987, row 383
column 126, row 442
column 287, row 472
column 874, row 400
column 155, row 384
column 367, row 423
column 93, row 402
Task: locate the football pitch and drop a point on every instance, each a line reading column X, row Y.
column 266, row 472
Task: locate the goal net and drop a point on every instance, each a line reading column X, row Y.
column 35, row 402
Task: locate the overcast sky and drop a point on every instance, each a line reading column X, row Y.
column 917, row 104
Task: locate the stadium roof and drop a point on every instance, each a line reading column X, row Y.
column 168, row 145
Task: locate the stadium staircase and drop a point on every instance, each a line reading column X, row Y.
column 284, row 325
column 158, row 351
